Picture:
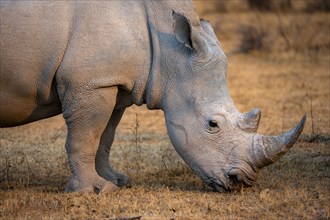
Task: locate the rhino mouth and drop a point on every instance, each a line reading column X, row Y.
column 234, row 180
column 218, row 186
column 232, row 185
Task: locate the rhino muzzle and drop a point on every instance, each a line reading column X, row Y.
column 268, row 149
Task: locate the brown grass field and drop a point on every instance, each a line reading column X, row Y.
column 277, row 61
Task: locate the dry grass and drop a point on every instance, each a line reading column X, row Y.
column 164, row 188
column 33, row 167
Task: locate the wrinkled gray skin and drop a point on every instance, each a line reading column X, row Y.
column 91, row 59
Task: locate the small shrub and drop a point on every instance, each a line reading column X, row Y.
column 303, row 33
column 270, row 5
column 252, row 38
column 318, row 5
column 220, row 6
column 263, row 5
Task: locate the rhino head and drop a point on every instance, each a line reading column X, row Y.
column 216, row 141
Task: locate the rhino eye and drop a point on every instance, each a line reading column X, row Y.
column 213, row 124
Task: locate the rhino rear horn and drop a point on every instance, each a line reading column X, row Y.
column 250, row 121
column 268, row 149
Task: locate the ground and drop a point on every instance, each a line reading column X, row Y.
column 285, row 80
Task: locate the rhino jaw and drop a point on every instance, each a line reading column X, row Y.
column 268, row 149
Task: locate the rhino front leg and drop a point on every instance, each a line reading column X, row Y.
column 87, row 114
column 103, row 166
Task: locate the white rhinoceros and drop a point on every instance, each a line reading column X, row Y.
column 89, row 60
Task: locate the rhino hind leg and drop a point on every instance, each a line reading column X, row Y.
column 87, row 119
column 103, row 166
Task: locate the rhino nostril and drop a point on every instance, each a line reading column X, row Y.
column 235, row 175
column 235, row 178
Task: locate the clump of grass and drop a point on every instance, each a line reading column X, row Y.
column 17, row 167
column 315, row 138
column 137, row 149
column 311, row 110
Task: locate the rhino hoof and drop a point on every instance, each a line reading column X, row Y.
column 72, row 186
column 99, row 185
column 108, row 187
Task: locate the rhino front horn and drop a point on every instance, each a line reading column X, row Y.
column 268, row 149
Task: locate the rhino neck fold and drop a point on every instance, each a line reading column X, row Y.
column 164, row 49
column 154, row 88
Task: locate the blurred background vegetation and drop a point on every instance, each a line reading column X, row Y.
column 270, row 25
column 206, row 6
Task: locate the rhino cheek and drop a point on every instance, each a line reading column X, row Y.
column 177, row 133
column 188, row 150
column 197, row 154
column 180, row 140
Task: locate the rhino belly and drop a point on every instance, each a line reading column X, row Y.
column 18, row 104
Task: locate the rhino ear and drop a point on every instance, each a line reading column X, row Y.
column 182, row 29
column 187, row 33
